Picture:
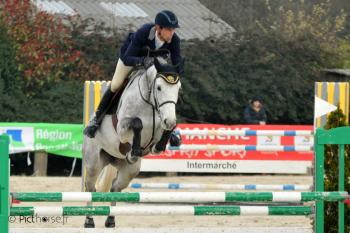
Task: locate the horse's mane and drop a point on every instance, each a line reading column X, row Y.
column 163, row 66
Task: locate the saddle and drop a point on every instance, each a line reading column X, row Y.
column 113, row 106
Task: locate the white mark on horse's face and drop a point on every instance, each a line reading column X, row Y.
column 168, row 94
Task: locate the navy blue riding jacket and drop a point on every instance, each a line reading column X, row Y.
column 145, row 36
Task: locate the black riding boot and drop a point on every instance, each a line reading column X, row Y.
column 102, row 108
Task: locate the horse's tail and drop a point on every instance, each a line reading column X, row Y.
column 105, row 179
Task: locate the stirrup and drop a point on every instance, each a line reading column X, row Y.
column 92, row 128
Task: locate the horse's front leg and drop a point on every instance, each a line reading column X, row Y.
column 132, row 126
column 168, row 135
column 136, row 126
column 160, row 146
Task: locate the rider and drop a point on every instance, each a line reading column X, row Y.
column 160, row 35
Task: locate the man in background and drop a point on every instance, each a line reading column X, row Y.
column 255, row 112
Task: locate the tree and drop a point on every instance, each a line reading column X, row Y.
column 50, row 66
column 279, row 59
column 10, row 79
column 42, row 42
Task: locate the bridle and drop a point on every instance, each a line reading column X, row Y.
column 155, row 105
column 152, row 88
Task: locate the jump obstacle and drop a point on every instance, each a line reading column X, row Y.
column 270, row 187
column 229, row 132
column 338, row 136
column 157, row 210
column 176, row 197
column 240, row 147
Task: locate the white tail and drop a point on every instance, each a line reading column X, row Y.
column 105, row 179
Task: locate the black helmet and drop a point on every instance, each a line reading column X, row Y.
column 167, row 19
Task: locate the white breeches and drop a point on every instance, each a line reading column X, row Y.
column 121, row 73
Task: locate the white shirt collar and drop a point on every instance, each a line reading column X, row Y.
column 157, row 41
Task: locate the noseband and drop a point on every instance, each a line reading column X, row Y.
column 171, row 78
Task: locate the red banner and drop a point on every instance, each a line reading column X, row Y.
column 242, row 140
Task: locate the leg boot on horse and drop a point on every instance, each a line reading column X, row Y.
column 167, row 136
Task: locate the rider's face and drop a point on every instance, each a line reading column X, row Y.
column 166, row 34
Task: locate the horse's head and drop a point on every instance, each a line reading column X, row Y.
column 165, row 91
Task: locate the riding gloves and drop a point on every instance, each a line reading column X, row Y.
column 147, row 62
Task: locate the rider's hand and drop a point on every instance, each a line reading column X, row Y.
column 147, row 62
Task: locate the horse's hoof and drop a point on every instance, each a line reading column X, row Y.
column 89, row 223
column 110, row 222
column 156, row 150
column 136, row 153
column 131, row 159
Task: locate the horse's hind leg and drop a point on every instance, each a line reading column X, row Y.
column 126, row 172
column 93, row 164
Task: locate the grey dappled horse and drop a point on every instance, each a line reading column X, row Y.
column 145, row 112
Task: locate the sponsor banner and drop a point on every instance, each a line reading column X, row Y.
column 66, row 140
column 291, row 162
column 225, row 166
column 60, row 139
column 242, row 140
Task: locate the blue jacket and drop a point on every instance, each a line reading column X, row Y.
column 145, row 36
column 253, row 117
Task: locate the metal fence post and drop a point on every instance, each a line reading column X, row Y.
column 341, row 187
column 319, row 175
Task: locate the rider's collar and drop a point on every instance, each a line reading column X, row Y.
column 157, row 41
column 171, row 78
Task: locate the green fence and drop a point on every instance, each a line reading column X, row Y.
column 337, row 136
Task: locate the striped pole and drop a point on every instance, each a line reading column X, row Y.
column 272, row 187
column 209, row 147
column 230, row 132
column 174, row 197
column 160, row 210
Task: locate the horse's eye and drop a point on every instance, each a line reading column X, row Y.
column 159, row 88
